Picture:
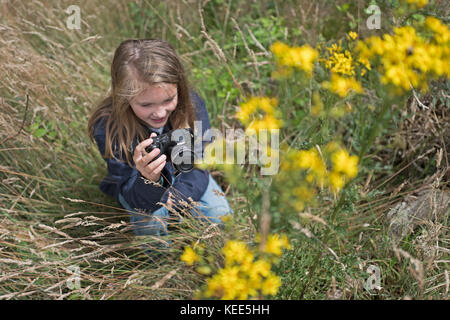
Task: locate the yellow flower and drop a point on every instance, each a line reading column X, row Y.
column 249, row 108
column 441, row 31
column 340, row 62
column 365, row 62
column 245, row 278
column 189, row 256
column 285, row 242
column 306, row 58
column 342, row 86
column 418, row 3
column 270, row 285
column 310, row 159
column 275, row 244
column 266, row 123
column 336, row 181
column 407, row 59
column 302, row 58
column 353, row 35
column 344, row 163
column 260, row 268
column 231, row 282
column 236, row 251
column 279, row 48
column 214, row 287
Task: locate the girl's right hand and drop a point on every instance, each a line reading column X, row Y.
column 149, row 169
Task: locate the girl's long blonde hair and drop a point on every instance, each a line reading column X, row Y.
column 136, row 64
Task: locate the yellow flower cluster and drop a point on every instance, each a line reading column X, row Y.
column 275, row 244
column 409, row 59
column 340, row 61
column 342, row 85
column 294, row 191
column 345, row 167
column 332, row 167
column 440, row 30
column 189, row 256
column 250, row 109
column 417, row 3
column 247, row 273
column 312, row 161
column 353, row 35
column 302, row 58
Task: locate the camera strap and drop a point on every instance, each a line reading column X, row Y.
column 176, row 173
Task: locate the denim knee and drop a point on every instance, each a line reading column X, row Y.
column 213, row 204
column 154, row 224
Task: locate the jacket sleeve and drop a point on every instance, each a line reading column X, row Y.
column 192, row 184
column 137, row 191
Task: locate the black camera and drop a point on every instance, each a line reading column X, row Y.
column 177, row 145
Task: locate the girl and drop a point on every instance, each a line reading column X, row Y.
column 150, row 95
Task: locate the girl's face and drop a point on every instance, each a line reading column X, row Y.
column 155, row 104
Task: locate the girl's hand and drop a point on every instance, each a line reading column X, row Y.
column 151, row 170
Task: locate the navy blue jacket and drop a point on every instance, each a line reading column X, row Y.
column 129, row 182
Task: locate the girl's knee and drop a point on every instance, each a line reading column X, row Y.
column 214, row 200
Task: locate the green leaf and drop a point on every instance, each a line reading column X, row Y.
column 40, row 132
column 34, row 126
column 52, row 134
column 419, row 17
column 74, row 124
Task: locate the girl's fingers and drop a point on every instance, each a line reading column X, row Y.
column 159, row 168
column 155, row 170
column 140, row 148
column 154, row 164
column 150, row 156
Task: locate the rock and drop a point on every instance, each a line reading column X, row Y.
column 426, row 207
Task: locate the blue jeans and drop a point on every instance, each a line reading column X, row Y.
column 212, row 207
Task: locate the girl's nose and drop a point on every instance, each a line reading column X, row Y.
column 161, row 113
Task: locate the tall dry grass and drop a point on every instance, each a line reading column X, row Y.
column 54, row 220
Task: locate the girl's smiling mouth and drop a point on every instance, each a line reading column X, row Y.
column 159, row 120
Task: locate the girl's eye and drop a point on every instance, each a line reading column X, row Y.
column 168, row 101
column 164, row 103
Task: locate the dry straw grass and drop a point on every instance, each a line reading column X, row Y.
column 54, row 219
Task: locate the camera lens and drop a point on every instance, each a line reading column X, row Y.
column 183, row 158
column 185, row 167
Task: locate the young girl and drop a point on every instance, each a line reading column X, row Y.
column 149, row 96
